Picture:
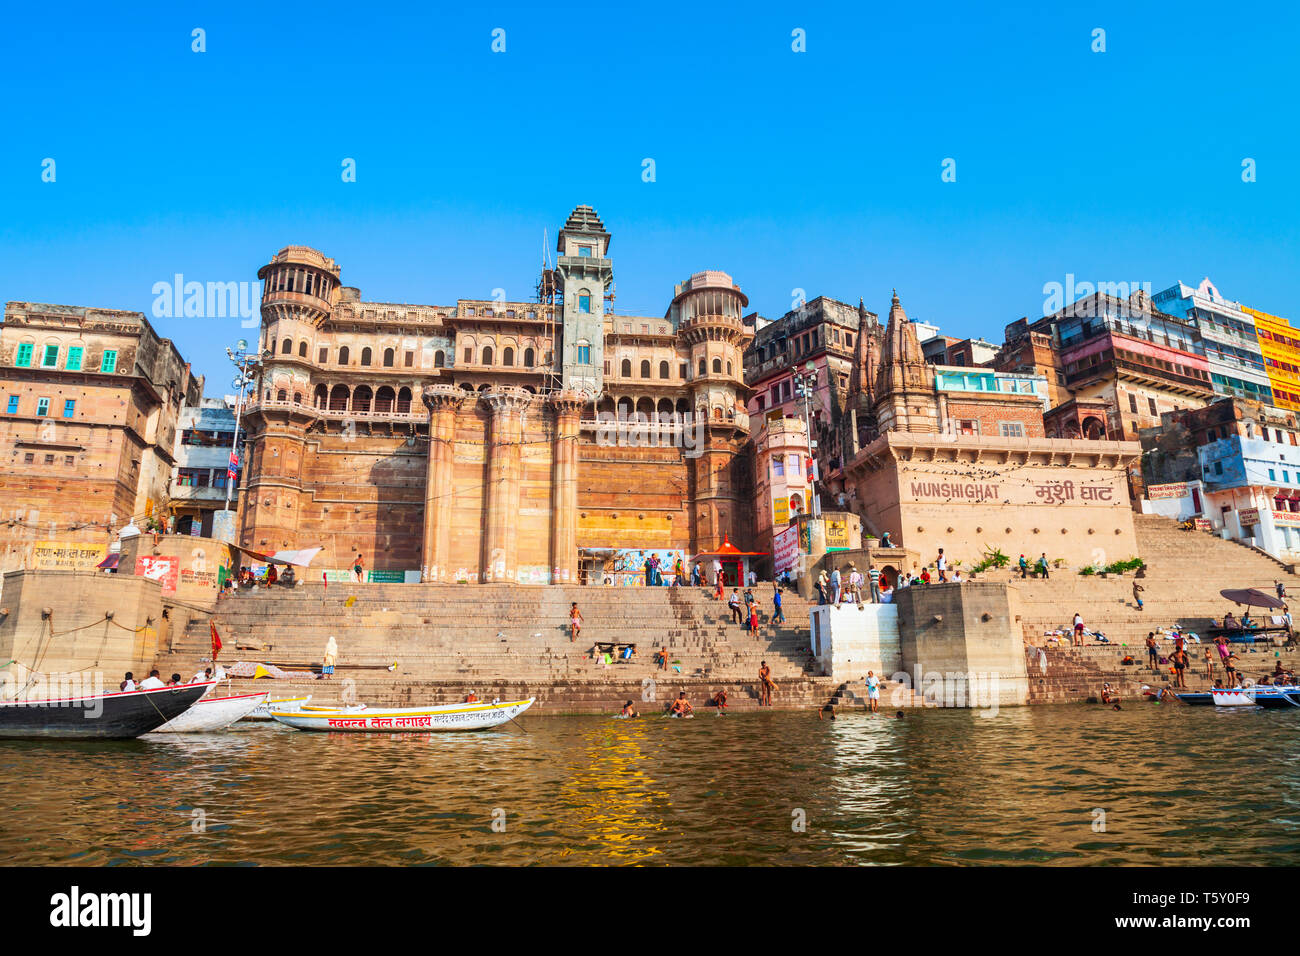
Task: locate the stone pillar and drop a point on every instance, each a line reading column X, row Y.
column 443, row 402
column 564, row 488
column 508, row 404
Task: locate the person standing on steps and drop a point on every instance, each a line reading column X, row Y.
column 941, row 565
column 873, row 574
column 873, row 691
column 1024, row 567
column 1281, row 589
column 1209, row 662
column 1042, row 565
column 1078, row 629
column 733, row 602
column 1137, row 594
column 575, row 622
column 1153, row 651
column 835, row 586
column 778, row 615
column 330, row 658
column 358, row 568
column 765, row 685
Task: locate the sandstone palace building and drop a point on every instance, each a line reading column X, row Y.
column 542, row 442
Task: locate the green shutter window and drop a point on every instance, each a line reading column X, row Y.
column 50, row 358
column 74, row 359
column 109, row 361
column 24, row 358
column 42, row 407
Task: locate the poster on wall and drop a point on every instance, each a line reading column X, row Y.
column 780, row 511
column 627, row 566
column 785, row 549
column 60, row 556
column 164, row 570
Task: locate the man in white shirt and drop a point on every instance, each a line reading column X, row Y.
column 128, row 684
column 941, row 563
column 152, row 682
column 873, row 691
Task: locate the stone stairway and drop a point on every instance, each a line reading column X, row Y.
column 1185, row 572
column 508, row 641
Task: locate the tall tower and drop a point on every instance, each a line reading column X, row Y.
column 905, row 398
column 584, row 274
column 707, row 312
column 299, row 287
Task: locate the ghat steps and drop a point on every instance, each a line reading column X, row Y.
column 504, row 641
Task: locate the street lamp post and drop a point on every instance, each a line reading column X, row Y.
column 244, row 362
column 805, row 382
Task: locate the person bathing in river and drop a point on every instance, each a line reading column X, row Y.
column 681, row 706
column 628, row 710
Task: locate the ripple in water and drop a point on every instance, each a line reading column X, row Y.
column 1029, row 785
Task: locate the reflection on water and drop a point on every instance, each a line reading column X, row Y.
column 1030, row 785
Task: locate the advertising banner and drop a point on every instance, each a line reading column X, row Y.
column 785, row 549
column 162, row 569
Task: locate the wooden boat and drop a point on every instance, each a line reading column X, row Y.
column 213, row 713
column 263, row 710
column 1197, row 698
column 1260, row 695
column 113, row 716
column 421, row 720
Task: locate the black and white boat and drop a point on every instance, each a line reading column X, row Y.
column 113, row 716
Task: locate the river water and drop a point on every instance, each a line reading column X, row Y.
column 1058, row 785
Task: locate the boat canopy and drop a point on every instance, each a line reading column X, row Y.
column 300, row 558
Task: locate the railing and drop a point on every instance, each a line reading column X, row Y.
column 342, row 414
column 180, row 492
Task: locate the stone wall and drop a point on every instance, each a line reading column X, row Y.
column 962, row 643
column 852, row 639
column 58, row 622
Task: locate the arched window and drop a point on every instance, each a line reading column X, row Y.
column 302, row 349
column 439, row 359
column 286, row 347
column 297, row 398
column 728, row 368
column 717, row 366
column 645, row 368
column 487, row 355
column 361, row 399
column 388, row 358
column 404, row 400
column 384, row 399
column 626, row 368
column 365, row 356
column 321, row 397
column 281, row 396
column 701, row 366
column 344, row 355
column 663, row 369
column 717, row 412
column 507, row 356
column 339, row 398
column 529, row 358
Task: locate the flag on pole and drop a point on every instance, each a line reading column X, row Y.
column 216, row 640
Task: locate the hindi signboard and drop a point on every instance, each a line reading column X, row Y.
column 1178, row 489
column 62, row 556
column 785, row 549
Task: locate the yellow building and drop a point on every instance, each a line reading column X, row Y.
column 1280, row 343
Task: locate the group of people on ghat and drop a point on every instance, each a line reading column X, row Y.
column 155, row 681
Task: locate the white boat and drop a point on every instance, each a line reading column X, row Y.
column 1258, row 695
column 213, row 713
column 421, row 720
column 263, row 710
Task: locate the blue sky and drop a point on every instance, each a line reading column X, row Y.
column 817, row 170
